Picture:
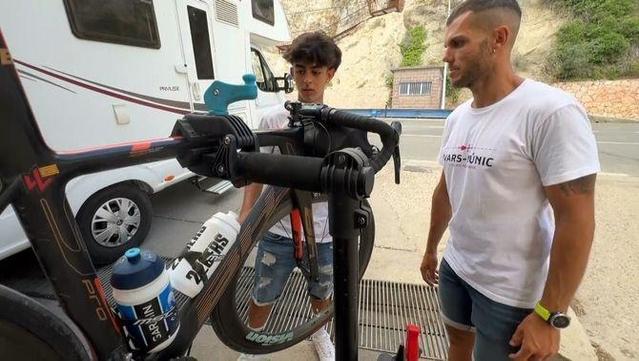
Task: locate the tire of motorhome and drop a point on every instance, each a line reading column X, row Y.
column 226, row 322
column 113, row 220
column 29, row 331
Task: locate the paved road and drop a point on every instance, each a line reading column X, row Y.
column 618, row 143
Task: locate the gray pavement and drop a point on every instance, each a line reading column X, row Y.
column 618, row 143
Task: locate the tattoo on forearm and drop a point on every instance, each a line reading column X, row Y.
column 583, row 185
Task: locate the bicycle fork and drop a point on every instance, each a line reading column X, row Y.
column 303, row 229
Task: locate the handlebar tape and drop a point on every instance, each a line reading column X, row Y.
column 284, row 170
column 389, row 135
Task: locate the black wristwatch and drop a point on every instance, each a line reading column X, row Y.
column 557, row 320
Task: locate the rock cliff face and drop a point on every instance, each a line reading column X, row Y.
column 372, row 49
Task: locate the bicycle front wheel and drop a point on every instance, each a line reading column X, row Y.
column 29, row 331
column 292, row 320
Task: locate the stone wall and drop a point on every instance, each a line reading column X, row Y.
column 616, row 99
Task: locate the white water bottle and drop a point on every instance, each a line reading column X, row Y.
column 204, row 253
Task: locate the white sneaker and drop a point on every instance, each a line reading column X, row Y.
column 323, row 345
column 247, row 357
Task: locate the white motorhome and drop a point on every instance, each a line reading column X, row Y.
column 100, row 72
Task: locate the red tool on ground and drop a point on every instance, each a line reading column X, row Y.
column 410, row 350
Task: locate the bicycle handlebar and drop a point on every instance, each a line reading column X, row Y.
column 289, row 171
column 348, row 169
column 388, row 134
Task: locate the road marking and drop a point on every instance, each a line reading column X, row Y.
column 423, row 126
column 421, row 162
column 417, row 120
column 619, row 143
column 435, row 164
column 439, row 136
column 422, row 135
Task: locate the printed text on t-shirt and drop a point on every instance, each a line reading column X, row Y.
column 468, row 156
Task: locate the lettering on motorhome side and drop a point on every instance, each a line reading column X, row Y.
column 171, row 88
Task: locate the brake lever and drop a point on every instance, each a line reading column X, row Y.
column 397, row 160
column 398, row 163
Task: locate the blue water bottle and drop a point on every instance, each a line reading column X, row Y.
column 145, row 300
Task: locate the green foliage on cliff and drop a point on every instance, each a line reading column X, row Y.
column 600, row 42
column 413, row 47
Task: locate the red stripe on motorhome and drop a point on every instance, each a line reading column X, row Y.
column 105, row 92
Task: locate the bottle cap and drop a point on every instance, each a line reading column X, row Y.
column 132, row 255
column 135, row 269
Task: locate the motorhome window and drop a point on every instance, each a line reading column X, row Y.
column 128, row 22
column 201, row 43
column 265, row 79
column 257, row 69
column 263, row 10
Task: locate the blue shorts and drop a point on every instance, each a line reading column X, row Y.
column 466, row 309
column 276, row 260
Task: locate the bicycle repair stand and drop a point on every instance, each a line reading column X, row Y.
column 346, row 217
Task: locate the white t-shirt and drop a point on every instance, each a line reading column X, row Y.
column 277, row 118
column 496, row 160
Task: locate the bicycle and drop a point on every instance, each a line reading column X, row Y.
column 34, row 179
column 275, row 204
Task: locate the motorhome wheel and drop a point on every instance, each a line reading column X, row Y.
column 114, row 220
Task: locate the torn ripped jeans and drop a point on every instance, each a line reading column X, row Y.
column 274, row 263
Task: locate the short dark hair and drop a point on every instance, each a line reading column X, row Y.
column 315, row 48
column 482, row 5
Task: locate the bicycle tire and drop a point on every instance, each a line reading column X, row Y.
column 273, row 205
column 29, row 331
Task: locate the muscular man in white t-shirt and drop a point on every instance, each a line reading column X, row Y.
column 314, row 58
column 517, row 193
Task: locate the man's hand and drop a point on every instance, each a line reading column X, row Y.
column 440, row 214
column 538, row 340
column 429, row 268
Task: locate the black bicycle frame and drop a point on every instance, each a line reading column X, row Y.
column 291, row 142
column 33, row 178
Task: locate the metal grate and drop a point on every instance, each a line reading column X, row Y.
column 226, row 12
column 385, row 308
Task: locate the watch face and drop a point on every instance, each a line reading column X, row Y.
column 560, row 321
